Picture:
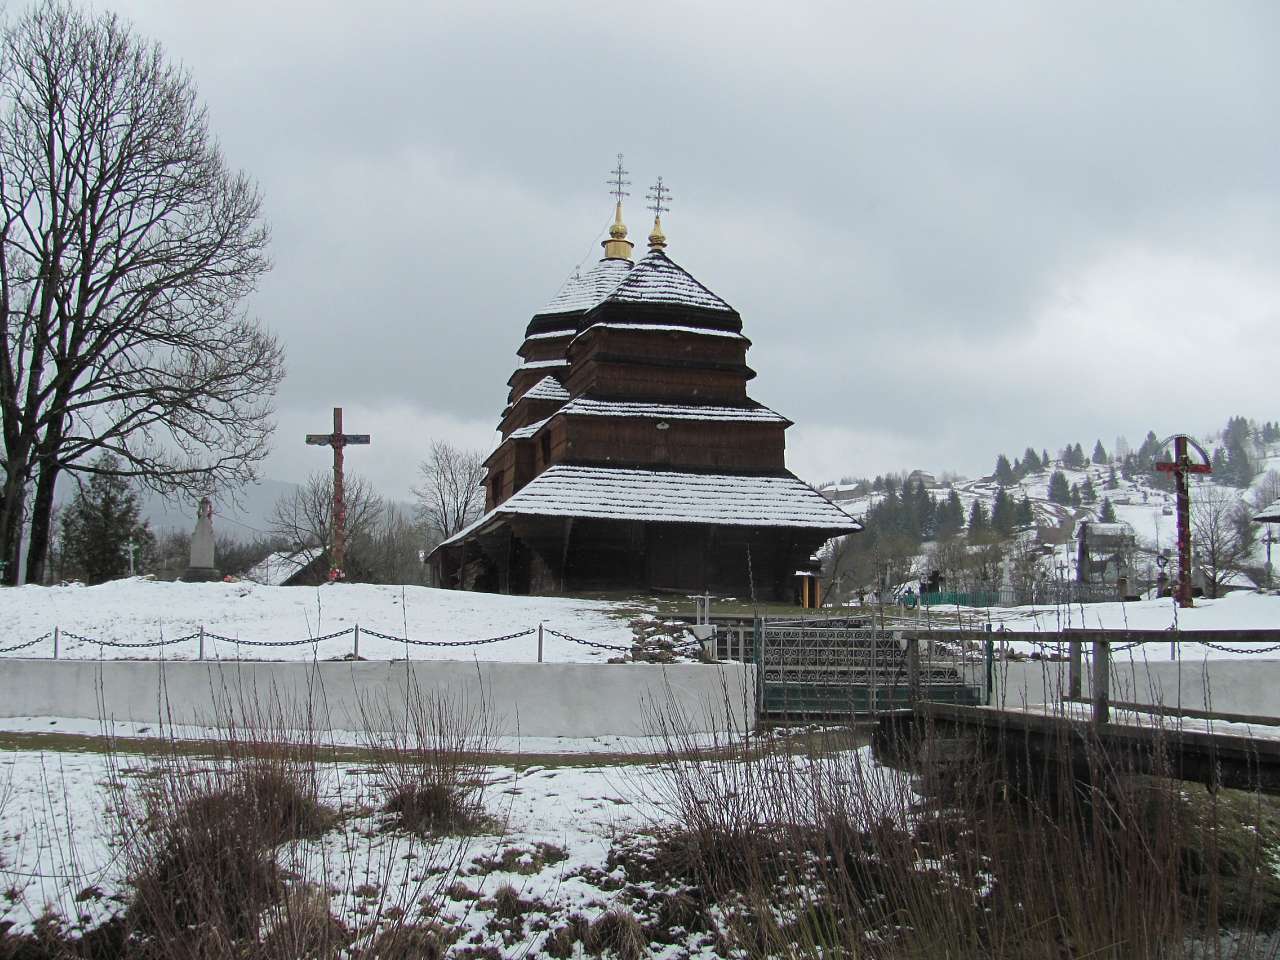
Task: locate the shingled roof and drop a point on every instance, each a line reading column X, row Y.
column 657, row 279
column 583, row 291
column 584, row 406
column 609, row 493
column 1270, row 515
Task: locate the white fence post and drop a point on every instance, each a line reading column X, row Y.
column 57, row 635
column 355, row 648
column 200, row 651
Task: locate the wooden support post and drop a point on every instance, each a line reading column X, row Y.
column 1075, row 655
column 913, row 669
column 1100, row 681
column 539, row 641
column 57, row 635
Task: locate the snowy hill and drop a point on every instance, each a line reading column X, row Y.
column 1150, row 511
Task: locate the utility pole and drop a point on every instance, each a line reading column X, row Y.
column 338, row 440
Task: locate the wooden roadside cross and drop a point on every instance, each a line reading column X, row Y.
column 338, row 440
column 1181, row 467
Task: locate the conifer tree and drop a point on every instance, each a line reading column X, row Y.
column 1099, row 454
column 1031, row 462
column 1025, row 516
column 1108, row 514
column 1004, row 471
column 1087, row 493
column 1112, row 481
column 950, row 517
column 99, row 523
column 979, row 521
column 1075, row 495
column 1045, row 462
column 1002, row 513
column 1059, row 491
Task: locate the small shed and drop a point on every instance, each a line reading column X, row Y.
column 288, row 568
column 1104, row 552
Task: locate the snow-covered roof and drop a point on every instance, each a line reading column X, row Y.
column 276, row 569
column 585, row 407
column 552, row 334
column 542, row 364
column 610, row 493
column 1270, row 515
column 584, row 291
column 524, row 433
column 548, row 388
column 662, row 327
column 1100, row 529
column 659, row 279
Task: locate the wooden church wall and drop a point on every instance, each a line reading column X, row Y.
column 685, row 443
column 624, row 380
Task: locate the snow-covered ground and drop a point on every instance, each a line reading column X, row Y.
column 56, row 843
column 1243, row 610
column 145, row 611
column 551, row 832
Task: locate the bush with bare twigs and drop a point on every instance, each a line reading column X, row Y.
column 431, row 761
column 792, row 846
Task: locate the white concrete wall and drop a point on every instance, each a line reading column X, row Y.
column 529, row 699
column 1247, row 685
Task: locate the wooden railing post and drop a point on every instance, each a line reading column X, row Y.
column 1075, row 655
column 1100, row 681
column 913, row 670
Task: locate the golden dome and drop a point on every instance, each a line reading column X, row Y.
column 657, row 239
column 617, row 247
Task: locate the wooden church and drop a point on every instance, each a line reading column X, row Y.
column 631, row 456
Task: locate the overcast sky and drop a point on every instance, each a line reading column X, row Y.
column 951, row 230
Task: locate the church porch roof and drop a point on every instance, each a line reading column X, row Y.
column 611, row 493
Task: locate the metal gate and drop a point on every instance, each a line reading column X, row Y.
column 821, row 668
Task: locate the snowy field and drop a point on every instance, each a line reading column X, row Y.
column 1236, row 611
column 56, row 843
column 140, row 611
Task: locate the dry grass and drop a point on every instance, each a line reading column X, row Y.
column 431, row 762
column 827, row 853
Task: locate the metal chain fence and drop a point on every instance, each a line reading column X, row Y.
column 356, row 630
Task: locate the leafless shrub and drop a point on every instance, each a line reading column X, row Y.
column 803, row 848
column 430, row 760
column 618, row 932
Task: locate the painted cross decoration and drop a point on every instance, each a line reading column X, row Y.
column 338, row 440
column 1181, row 468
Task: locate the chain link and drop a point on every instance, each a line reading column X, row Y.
column 448, row 643
column 1217, row 646
column 588, row 643
column 128, row 645
column 29, row 643
column 279, row 643
column 365, row 631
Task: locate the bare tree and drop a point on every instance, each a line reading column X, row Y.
column 126, row 249
column 305, row 517
column 1265, row 491
column 451, row 492
column 1222, row 537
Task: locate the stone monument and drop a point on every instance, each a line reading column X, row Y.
column 201, row 568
